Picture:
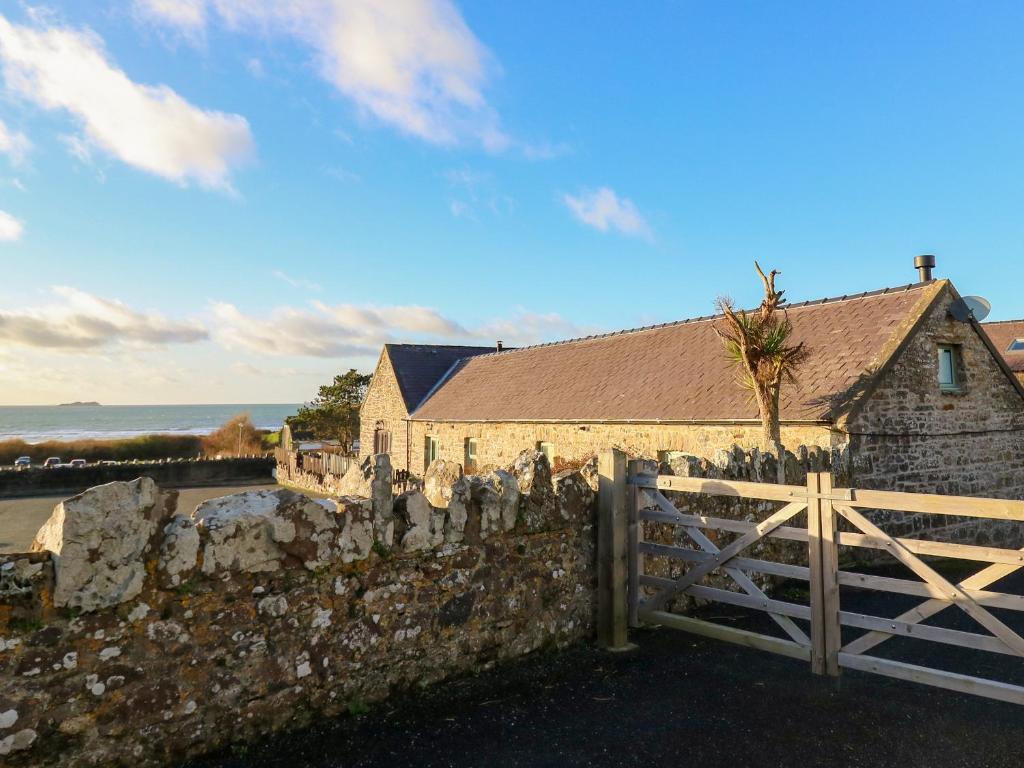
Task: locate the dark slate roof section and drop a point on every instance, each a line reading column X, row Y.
column 1003, row 334
column 678, row 371
column 418, row 367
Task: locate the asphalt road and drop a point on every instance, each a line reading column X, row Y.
column 677, row 700
column 21, row 518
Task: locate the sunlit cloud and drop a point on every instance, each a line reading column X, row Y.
column 149, row 127
column 11, row 228
column 77, row 321
column 412, row 64
column 604, row 210
column 14, row 144
column 296, row 282
column 348, row 330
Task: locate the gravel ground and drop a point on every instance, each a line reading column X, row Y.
column 677, row 700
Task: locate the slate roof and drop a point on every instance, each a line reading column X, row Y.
column 418, row 367
column 678, row 371
column 1002, row 334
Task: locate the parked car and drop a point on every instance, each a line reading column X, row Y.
column 23, row 462
column 78, row 463
column 52, row 463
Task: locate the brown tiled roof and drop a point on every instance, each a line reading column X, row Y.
column 1002, row 335
column 418, row 367
column 678, row 371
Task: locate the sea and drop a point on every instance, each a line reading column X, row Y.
column 37, row 424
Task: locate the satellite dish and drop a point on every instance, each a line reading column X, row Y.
column 979, row 307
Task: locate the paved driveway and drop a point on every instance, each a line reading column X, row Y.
column 678, row 700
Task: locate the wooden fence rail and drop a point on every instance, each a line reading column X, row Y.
column 631, row 496
column 320, row 463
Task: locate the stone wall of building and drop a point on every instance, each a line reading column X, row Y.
column 139, row 637
column 499, row 444
column 384, row 404
column 913, row 436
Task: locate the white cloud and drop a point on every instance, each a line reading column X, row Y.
column 149, row 127
column 603, row 210
column 412, row 64
column 347, row 330
column 81, row 322
column 526, row 327
column 296, row 282
column 10, row 228
column 14, row 144
column 185, row 15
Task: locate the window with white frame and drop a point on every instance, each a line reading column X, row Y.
column 949, row 376
column 470, row 451
column 1017, row 345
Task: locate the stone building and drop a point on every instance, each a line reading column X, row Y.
column 1008, row 338
column 404, row 376
column 910, row 397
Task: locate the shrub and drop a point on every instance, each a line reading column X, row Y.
column 237, row 437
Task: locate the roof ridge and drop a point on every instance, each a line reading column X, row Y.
column 1001, row 322
column 705, row 318
column 442, row 346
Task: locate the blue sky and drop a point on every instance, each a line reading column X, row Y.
column 230, row 200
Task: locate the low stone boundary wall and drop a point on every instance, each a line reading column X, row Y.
column 177, row 472
column 139, row 637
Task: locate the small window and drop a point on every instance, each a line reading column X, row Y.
column 548, row 449
column 1017, row 345
column 949, row 377
column 431, row 448
column 470, row 451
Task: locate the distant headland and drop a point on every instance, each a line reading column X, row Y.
column 79, row 402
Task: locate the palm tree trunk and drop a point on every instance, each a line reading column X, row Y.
column 768, row 406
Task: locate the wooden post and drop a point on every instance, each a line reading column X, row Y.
column 634, row 558
column 612, row 525
column 823, row 558
column 816, row 581
column 830, row 577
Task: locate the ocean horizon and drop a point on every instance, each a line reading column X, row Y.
column 40, row 423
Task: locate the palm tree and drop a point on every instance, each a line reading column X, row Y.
column 759, row 343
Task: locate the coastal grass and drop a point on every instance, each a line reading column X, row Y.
column 235, row 437
column 143, row 448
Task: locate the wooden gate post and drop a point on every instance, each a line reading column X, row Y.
column 830, row 577
column 612, row 532
column 816, row 582
column 823, row 559
column 636, row 469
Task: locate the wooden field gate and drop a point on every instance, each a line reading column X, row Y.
column 631, row 495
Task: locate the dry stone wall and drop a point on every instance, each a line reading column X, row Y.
column 177, row 472
column 156, row 636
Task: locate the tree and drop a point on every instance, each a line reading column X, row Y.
column 334, row 412
column 236, row 437
column 759, row 343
